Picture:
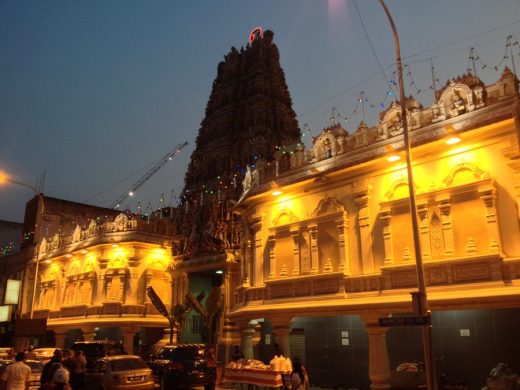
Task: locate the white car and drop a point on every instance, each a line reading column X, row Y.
column 44, row 354
column 36, row 372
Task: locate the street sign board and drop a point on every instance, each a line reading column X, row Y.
column 405, row 321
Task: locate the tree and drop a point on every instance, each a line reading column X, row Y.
column 175, row 317
column 211, row 308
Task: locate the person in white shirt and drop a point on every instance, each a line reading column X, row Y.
column 17, row 374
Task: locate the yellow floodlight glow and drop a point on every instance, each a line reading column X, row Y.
column 276, row 193
column 452, row 140
column 3, row 178
column 392, row 154
column 452, row 137
column 158, row 258
column 393, row 158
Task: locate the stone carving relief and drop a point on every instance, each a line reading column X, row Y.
column 76, row 235
column 120, row 222
column 92, row 228
column 328, row 205
column 43, row 246
column 463, row 172
column 285, row 215
column 398, row 189
column 455, row 100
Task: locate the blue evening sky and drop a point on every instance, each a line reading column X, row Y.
column 93, row 92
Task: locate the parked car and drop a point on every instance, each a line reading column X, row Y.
column 36, row 371
column 184, row 365
column 45, row 354
column 120, row 372
column 4, row 363
column 7, row 353
column 95, row 349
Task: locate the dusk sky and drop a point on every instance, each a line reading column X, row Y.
column 95, row 92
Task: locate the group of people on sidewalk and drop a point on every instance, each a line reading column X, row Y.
column 59, row 373
column 64, row 373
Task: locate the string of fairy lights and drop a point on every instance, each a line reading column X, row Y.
column 365, row 103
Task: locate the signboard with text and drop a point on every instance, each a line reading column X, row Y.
column 12, row 292
column 405, row 321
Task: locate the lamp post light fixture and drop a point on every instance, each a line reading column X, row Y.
column 419, row 298
column 5, row 178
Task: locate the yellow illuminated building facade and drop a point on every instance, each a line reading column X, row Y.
column 330, row 236
column 92, row 278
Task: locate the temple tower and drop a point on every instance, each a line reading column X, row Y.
column 248, row 117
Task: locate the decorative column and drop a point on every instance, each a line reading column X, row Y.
column 228, row 330
column 424, row 230
column 128, row 338
column 344, row 250
column 515, row 164
column 272, row 256
column 246, row 270
column 447, row 231
column 88, row 332
column 282, row 329
column 385, row 215
column 257, row 272
column 489, row 196
column 365, row 233
column 247, row 334
column 295, row 235
column 313, row 237
column 378, row 366
column 131, row 295
column 99, row 294
column 59, row 336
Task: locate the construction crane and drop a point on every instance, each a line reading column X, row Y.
column 171, row 154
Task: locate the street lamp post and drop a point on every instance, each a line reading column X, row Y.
column 37, row 260
column 420, row 298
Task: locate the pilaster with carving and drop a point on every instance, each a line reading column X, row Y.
column 365, row 233
column 447, row 229
column 515, row 164
column 295, row 235
column 272, row 256
column 257, row 254
column 424, row 230
column 488, row 196
column 313, row 237
column 344, row 250
column 385, row 215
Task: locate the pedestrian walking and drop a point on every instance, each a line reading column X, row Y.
column 77, row 374
column 299, row 379
column 50, row 367
column 16, row 376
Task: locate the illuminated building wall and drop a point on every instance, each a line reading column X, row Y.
column 337, row 240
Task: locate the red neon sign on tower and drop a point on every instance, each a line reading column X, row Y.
column 256, row 33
